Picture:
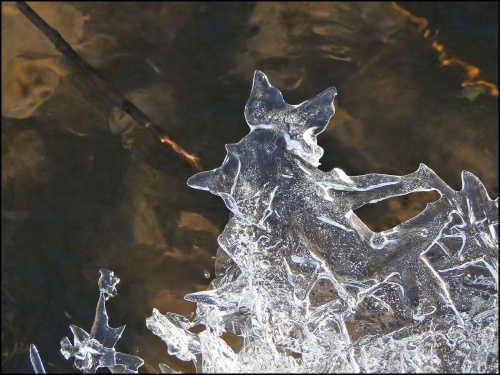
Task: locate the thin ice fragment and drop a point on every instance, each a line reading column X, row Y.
column 165, row 369
column 308, row 287
column 36, row 361
column 95, row 350
column 107, row 283
column 181, row 343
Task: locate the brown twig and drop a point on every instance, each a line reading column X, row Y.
column 113, row 95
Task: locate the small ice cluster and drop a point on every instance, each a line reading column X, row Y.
column 310, row 288
column 95, row 350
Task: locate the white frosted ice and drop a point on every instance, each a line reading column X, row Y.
column 309, row 287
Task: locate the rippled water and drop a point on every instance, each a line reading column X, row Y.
column 85, row 188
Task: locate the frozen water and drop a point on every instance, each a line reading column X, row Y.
column 95, row 350
column 309, row 287
column 306, row 284
column 36, row 361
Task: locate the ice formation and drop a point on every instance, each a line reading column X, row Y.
column 95, row 350
column 309, row 287
column 36, row 361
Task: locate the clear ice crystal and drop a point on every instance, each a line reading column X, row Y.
column 309, row 287
column 95, row 350
column 36, row 361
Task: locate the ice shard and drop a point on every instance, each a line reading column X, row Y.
column 310, row 288
column 36, row 361
column 95, row 350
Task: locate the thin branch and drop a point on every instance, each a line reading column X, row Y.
column 112, row 94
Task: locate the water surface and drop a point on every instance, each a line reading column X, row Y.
column 83, row 187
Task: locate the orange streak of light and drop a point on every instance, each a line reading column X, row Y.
column 438, row 47
column 422, row 22
column 472, row 71
column 193, row 160
column 491, row 86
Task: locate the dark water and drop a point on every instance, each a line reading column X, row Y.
column 84, row 188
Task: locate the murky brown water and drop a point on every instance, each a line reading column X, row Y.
column 85, row 188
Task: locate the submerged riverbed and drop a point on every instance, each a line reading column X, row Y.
column 83, row 187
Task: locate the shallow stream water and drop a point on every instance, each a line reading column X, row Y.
column 83, row 187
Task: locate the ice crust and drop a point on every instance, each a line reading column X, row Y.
column 309, row 287
column 95, row 350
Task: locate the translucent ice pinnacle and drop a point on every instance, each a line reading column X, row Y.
column 309, row 287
